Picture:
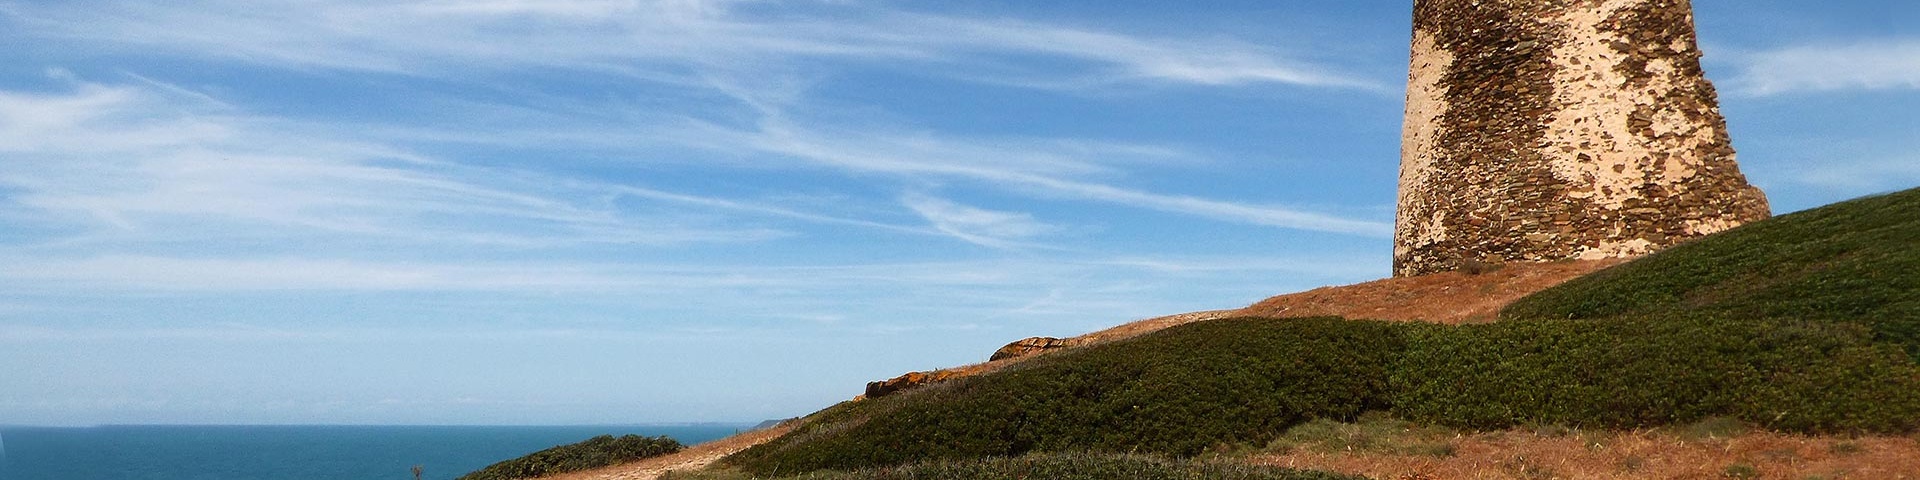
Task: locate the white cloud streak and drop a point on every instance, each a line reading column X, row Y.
column 872, row 152
column 114, row 272
column 152, row 162
column 988, row 228
column 427, row 37
column 703, row 44
column 1216, row 63
column 1045, row 167
column 1886, row 64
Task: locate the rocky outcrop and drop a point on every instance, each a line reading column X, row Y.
column 1022, row 348
column 1014, row 352
column 1541, row 130
column 1028, row 346
column 908, row 382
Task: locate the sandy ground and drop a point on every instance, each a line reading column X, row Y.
column 692, row 458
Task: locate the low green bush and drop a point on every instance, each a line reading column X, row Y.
column 593, row 453
column 1080, row 466
column 1179, row 391
column 1850, row 262
column 1235, row 383
column 1783, row 375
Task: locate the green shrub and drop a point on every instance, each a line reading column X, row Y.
column 1850, row 262
column 593, row 453
column 1798, row 376
column 1243, row 382
column 1052, row 467
column 1179, row 391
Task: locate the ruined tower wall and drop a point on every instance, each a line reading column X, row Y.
column 1540, row 130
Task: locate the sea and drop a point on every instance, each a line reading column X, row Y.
column 149, row 452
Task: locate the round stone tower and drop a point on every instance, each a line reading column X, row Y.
column 1541, row 130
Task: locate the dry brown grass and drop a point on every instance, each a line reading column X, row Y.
column 1450, row 298
column 1517, row 454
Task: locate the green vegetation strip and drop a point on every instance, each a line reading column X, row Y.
column 1852, row 262
column 594, row 453
column 1081, row 466
column 1805, row 326
column 1178, row 392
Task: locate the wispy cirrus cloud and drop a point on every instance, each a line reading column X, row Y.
column 1882, row 64
column 702, row 45
column 927, row 155
column 790, row 135
column 663, row 39
column 123, row 272
column 988, row 228
column 151, row 161
column 1127, row 59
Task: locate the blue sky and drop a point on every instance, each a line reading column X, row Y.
column 580, row 211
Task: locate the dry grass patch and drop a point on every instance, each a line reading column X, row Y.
column 1450, row 298
column 1711, row 449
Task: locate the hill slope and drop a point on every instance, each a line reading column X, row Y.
column 1795, row 323
column 1855, row 262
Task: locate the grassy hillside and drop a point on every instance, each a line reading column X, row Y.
column 1852, row 262
column 1797, row 324
column 1179, row 391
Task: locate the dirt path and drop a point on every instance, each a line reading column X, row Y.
column 693, row 458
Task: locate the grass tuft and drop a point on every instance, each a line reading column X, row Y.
column 1740, row 470
column 1713, row 428
column 1374, row 432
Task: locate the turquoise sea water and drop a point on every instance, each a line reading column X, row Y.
column 289, row 452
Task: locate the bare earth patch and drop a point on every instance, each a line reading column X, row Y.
column 1450, row 298
column 1628, row 455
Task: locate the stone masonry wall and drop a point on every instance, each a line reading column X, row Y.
column 1540, row 130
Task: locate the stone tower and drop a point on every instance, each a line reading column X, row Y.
column 1541, row 130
